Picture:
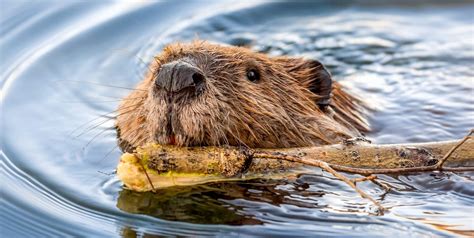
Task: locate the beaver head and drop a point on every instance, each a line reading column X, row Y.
column 206, row 94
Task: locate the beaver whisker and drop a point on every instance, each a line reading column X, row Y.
column 117, row 100
column 130, row 52
column 121, row 97
column 240, row 112
column 247, row 127
column 97, row 135
column 222, row 129
column 92, row 127
column 108, row 153
column 224, row 136
column 220, row 136
column 97, row 83
column 241, row 142
column 100, row 117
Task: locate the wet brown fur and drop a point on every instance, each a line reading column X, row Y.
column 277, row 111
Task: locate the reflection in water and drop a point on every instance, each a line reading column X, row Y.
column 412, row 60
column 202, row 205
column 212, row 203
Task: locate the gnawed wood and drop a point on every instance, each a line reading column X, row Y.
column 156, row 166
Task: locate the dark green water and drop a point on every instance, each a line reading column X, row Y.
column 413, row 60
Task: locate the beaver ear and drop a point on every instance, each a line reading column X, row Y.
column 311, row 74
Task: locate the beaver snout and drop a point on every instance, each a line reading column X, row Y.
column 180, row 76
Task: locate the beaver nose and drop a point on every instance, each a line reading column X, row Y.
column 178, row 75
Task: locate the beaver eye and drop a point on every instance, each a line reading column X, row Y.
column 253, row 75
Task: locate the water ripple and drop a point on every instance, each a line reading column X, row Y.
column 411, row 61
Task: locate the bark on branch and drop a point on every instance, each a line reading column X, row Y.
column 155, row 166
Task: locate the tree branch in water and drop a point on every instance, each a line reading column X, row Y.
column 156, row 166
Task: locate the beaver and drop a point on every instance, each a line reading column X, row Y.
column 205, row 94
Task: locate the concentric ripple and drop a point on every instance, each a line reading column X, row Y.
column 64, row 68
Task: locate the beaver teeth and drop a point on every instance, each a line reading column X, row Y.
column 172, row 139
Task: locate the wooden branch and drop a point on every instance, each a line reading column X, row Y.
column 161, row 166
column 170, row 165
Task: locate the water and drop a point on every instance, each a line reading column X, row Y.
column 412, row 61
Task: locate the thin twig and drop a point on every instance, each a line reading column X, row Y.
column 367, row 171
column 439, row 165
column 328, row 168
column 373, row 179
column 384, row 186
column 370, row 177
column 147, row 176
column 323, row 165
column 460, row 169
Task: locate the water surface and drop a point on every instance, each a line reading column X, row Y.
column 412, row 60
